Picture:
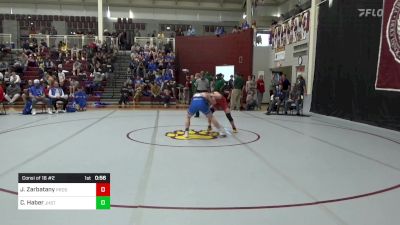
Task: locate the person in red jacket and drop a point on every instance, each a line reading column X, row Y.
column 260, row 90
column 2, row 99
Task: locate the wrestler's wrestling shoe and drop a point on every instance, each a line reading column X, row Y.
column 209, row 129
column 222, row 134
column 186, row 134
column 235, row 130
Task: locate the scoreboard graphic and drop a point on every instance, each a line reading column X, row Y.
column 64, row 191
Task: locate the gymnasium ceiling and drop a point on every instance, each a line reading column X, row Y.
column 217, row 5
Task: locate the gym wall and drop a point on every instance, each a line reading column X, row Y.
column 204, row 53
column 346, row 66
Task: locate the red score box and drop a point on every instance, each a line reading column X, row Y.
column 102, row 189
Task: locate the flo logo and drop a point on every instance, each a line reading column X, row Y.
column 193, row 135
column 370, row 12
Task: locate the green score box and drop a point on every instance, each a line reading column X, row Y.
column 103, row 202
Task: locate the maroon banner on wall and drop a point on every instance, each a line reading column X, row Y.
column 203, row 53
column 388, row 74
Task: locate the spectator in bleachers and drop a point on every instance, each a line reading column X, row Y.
column 32, row 61
column 98, row 73
column 76, row 68
column 178, row 32
column 14, row 78
column 60, row 75
column 245, row 25
column 235, row 30
column 13, row 92
column 73, row 85
column 74, row 53
column 138, row 82
column 56, row 94
column 152, row 66
column 33, row 45
column 48, row 79
column 25, row 45
column 190, row 31
column 37, row 94
column 48, row 64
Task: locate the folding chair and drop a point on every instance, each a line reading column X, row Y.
column 4, row 112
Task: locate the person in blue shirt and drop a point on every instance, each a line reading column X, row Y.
column 159, row 80
column 152, row 66
column 37, row 94
column 202, row 102
column 168, row 75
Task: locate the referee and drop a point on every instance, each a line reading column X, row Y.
column 202, row 85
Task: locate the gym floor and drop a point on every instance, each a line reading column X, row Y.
column 280, row 170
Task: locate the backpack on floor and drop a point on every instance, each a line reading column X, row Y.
column 71, row 107
column 27, row 108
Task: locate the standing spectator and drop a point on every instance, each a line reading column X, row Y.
column 219, row 83
column 57, row 94
column 12, row 93
column 251, row 89
column 236, row 95
column 286, row 86
column 260, row 90
column 299, row 91
column 230, row 82
column 300, row 85
column 250, row 84
column 37, row 94
column 274, row 85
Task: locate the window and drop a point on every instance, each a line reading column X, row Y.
column 263, row 40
